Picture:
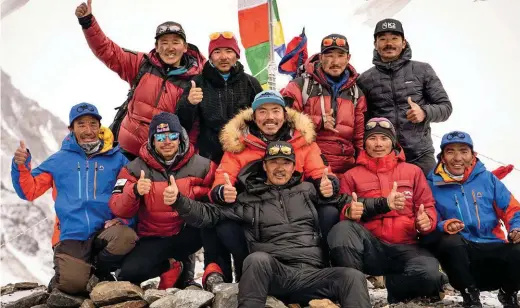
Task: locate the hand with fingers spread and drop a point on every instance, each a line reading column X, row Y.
column 171, row 192
column 423, row 222
column 356, row 209
column 195, row 96
column 229, row 191
column 113, row 222
column 416, row 114
column 143, row 185
column 84, row 9
column 514, row 236
column 21, row 155
column 396, row 200
column 455, row 226
column 326, row 188
column 329, row 122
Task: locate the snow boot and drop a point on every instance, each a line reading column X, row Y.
column 508, row 299
column 471, row 298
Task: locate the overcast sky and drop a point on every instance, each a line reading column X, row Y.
column 473, row 46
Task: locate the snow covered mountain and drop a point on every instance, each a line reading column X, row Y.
column 25, row 227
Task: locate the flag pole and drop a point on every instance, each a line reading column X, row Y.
column 272, row 64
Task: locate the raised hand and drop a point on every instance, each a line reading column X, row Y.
column 326, row 188
column 171, row 192
column 21, row 154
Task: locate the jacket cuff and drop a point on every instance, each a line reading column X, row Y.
column 85, row 21
column 446, row 224
column 217, row 195
column 136, row 192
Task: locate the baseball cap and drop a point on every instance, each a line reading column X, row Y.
column 389, row 25
column 170, row 27
column 280, row 149
column 267, row 97
column 334, row 41
column 456, row 137
column 83, row 109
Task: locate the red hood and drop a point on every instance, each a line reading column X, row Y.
column 313, row 69
column 195, row 63
column 150, row 160
column 383, row 164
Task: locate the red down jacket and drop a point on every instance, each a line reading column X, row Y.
column 339, row 148
column 157, row 90
column 193, row 174
column 374, row 177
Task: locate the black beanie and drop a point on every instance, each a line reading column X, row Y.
column 162, row 123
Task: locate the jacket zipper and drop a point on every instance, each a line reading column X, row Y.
column 396, row 106
column 476, row 206
column 163, row 86
column 458, row 208
column 283, row 207
column 466, row 201
column 95, row 178
column 79, row 180
column 86, row 194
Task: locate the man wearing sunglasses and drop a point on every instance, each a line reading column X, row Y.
column 87, row 239
column 277, row 213
column 217, row 94
column 475, row 208
column 157, row 79
column 328, row 93
column 384, row 240
column 406, row 92
column 144, row 188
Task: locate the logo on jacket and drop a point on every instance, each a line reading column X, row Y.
column 163, row 127
column 407, row 194
column 479, row 194
column 388, row 25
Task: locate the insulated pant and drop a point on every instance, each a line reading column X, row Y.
column 410, row 271
column 75, row 261
column 149, row 258
column 216, row 252
column 263, row 275
column 486, row 266
column 231, row 235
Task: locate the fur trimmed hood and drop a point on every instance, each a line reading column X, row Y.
column 234, row 132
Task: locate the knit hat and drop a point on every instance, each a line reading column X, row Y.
column 389, row 25
column 380, row 126
column 223, row 40
column 456, row 137
column 280, row 149
column 83, row 109
column 170, row 27
column 162, row 123
column 267, row 97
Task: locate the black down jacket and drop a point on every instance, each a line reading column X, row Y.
column 387, row 87
column 222, row 101
column 279, row 220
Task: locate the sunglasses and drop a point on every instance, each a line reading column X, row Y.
column 226, row 34
column 456, row 135
column 284, row 149
column 169, row 28
column 162, row 137
column 384, row 124
column 84, row 107
column 334, row 42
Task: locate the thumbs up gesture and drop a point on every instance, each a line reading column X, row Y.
column 171, row 192
column 326, row 188
column 84, row 9
column 230, row 192
column 195, row 96
column 356, row 208
column 416, row 114
column 329, row 121
column 21, row 154
column 395, row 199
column 143, row 185
column 423, row 222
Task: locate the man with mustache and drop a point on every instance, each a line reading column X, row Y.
column 244, row 139
column 277, row 215
column 143, row 190
column 89, row 239
column 384, row 240
column 217, row 94
column 328, row 93
column 406, row 92
column 474, row 208
column 157, row 79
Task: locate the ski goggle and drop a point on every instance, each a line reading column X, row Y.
column 284, row 149
column 162, row 137
column 456, row 135
column 383, row 123
column 327, row 42
column 226, row 35
column 84, row 107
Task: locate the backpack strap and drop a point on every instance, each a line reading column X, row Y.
column 307, row 88
column 144, row 67
column 354, row 92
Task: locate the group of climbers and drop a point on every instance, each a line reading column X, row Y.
column 308, row 189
